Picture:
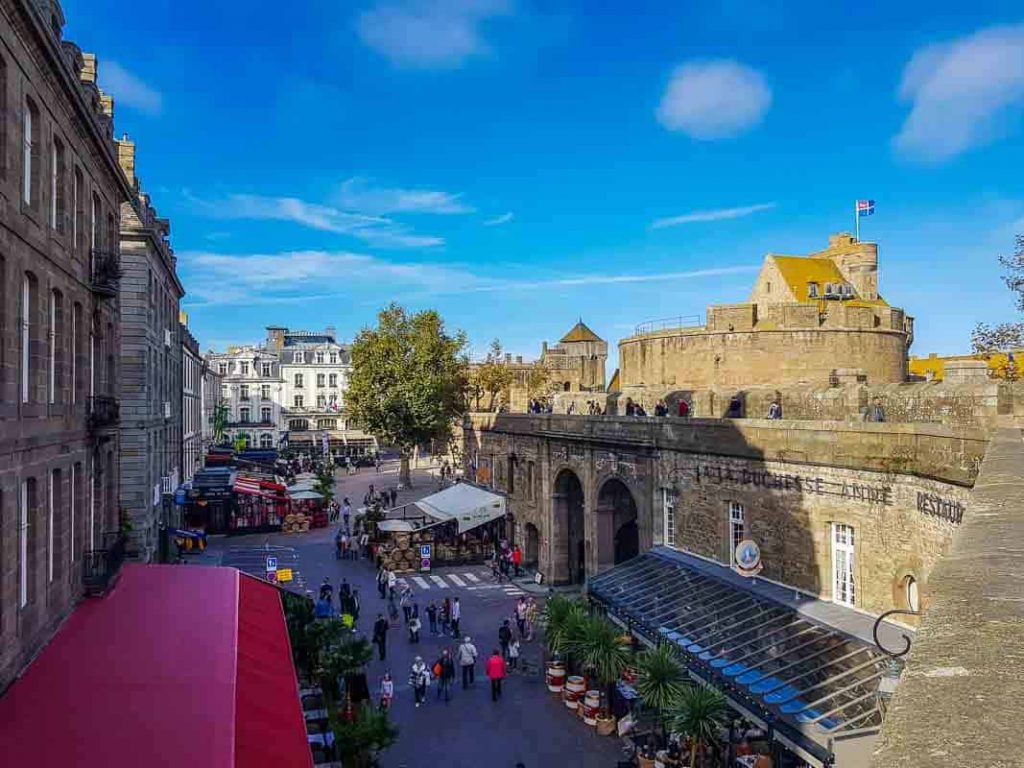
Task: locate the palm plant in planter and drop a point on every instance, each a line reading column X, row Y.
column 699, row 715
column 562, row 620
column 661, row 680
column 601, row 651
column 360, row 740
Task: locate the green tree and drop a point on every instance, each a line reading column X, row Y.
column 661, row 680
column 1005, row 337
column 600, row 650
column 492, row 378
column 361, row 740
column 220, row 422
column 408, row 380
column 538, row 379
column 699, row 715
column 324, row 484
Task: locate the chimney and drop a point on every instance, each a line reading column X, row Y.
column 107, row 104
column 89, row 67
column 126, row 158
column 331, row 332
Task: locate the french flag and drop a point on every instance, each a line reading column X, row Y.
column 865, row 207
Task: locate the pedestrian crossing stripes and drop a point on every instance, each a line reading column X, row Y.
column 471, row 582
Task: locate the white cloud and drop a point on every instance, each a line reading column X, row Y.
column 128, row 90
column 718, row 214
column 497, row 221
column 428, row 33
column 963, row 93
column 714, row 99
column 301, row 276
column 378, row 230
column 358, row 195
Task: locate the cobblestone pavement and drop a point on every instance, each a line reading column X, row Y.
column 528, row 725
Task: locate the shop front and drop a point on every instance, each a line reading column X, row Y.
column 459, row 525
column 804, row 671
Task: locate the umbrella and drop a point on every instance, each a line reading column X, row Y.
column 301, row 485
column 306, row 496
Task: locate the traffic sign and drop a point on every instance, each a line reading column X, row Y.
column 285, row 574
column 271, row 564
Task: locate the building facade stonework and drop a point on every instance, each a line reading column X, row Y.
column 151, row 354
column 60, row 194
column 192, row 410
column 858, row 514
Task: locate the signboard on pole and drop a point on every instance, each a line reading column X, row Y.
column 271, row 564
column 283, row 575
column 425, row 553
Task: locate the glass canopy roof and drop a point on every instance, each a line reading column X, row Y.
column 763, row 654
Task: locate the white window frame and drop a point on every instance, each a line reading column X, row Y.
column 26, row 187
column 844, row 564
column 243, row 369
column 668, row 500
column 266, row 414
column 92, row 224
column 333, row 358
column 298, row 401
column 74, row 479
column 53, row 186
column 49, row 530
column 75, row 191
column 298, row 381
column 332, row 380
column 737, row 517
column 319, row 358
column 267, row 370
column 26, row 337
column 244, row 414
column 321, row 380
column 23, row 524
column 53, row 348
column 74, row 356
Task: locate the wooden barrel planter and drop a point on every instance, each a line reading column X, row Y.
column 575, row 688
column 554, row 676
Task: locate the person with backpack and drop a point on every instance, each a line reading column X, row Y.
column 467, row 661
column 504, row 638
column 495, row 669
column 444, row 671
column 419, row 679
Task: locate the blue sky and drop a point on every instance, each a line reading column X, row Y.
column 519, row 164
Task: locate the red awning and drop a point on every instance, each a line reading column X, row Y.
column 174, row 666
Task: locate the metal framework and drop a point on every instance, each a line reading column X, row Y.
column 810, row 676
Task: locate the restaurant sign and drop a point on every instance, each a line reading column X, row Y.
column 779, row 481
column 944, row 509
column 748, row 558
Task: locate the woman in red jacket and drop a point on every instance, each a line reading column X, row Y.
column 495, row 668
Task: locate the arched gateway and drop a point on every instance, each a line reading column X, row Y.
column 618, row 536
column 568, row 556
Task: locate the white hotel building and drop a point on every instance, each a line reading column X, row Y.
column 291, row 388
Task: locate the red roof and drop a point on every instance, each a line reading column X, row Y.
column 183, row 666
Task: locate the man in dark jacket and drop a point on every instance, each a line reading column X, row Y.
column 504, row 637
column 380, row 635
column 447, row 676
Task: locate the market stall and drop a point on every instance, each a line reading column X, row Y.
column 461, row 524
column 261, row 504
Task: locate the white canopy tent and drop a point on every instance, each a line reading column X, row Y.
column 468, row 505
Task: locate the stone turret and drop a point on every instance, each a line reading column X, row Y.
column 856, row 260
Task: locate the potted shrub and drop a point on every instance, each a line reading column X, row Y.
column 699, row 714
column 661, row 680
column 601, row 653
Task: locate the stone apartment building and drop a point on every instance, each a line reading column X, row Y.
column 60, row 195
column 192, row 406
column 151, row 355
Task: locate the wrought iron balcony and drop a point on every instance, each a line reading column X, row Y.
column 105, row 275
column 100, row 567
column 104, row 412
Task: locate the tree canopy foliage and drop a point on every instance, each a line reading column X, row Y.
column 1005, row 337
column 491, row 379
column 408, row 380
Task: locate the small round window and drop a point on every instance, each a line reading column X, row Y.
column 913, row 598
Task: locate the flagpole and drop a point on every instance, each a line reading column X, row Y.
column 856, row 219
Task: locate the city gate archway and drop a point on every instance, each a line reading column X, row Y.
column 568, row 560
column 618, row 534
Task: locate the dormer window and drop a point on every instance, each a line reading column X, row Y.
column 812, row 290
